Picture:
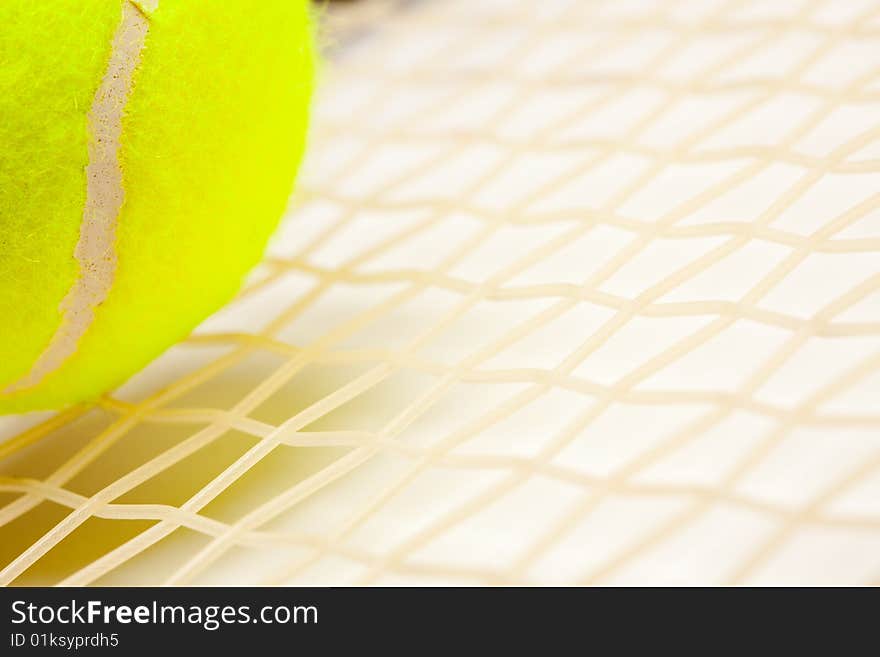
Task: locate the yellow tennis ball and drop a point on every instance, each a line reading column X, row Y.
column 147, row 152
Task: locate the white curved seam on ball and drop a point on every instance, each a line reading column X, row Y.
column 95, row 251
column 146, row 6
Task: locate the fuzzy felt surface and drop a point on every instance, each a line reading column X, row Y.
column 213, row 135
column 52, row 55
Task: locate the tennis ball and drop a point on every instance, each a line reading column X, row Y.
column 147, row 152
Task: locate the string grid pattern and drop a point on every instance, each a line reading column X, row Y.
column 571, row 292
